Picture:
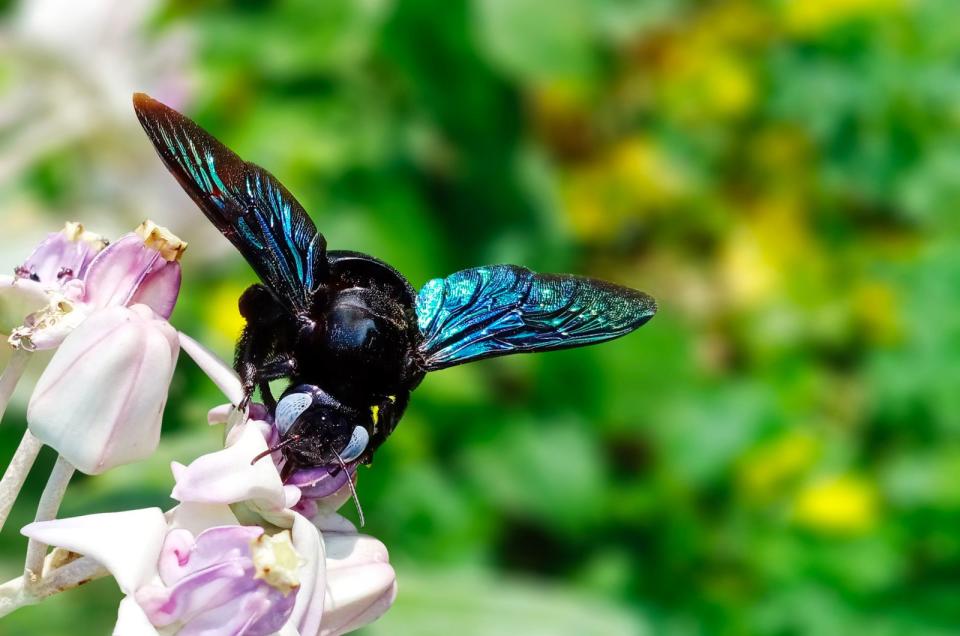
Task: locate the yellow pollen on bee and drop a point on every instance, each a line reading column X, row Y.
column 392, row 398
column 375, row 413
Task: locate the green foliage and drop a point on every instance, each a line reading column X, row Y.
column 777, row 452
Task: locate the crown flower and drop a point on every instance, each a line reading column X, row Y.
column 248, row 549
column 103, row 308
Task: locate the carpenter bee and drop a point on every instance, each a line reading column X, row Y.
column 348, row 330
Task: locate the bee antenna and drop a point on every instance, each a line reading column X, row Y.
column 353, row 489
column 274, row 448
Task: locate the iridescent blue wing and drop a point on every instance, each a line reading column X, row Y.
column 501, row 309
column 246, row 203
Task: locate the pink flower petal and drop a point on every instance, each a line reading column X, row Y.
column 160, row 290
column 62, row 256
column 100, row 401
column 126, row 543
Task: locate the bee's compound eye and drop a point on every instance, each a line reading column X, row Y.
column 357, row 444
column 290, row 408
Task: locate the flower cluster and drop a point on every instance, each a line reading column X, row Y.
column 245, row 551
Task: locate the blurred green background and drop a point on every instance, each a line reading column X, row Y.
column 776, row 453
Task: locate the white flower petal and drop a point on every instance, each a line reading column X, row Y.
column 308, row 610
column 216, row 369
column 357, row 596
column 197, row 517
column 219, row 414
column 132, row 621
column 126, row 543
column 227, row 476
column 334, row 522
column 353, row 550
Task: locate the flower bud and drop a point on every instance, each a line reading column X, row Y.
column 100, row 401
column 77, row 275
column 361, row 583
column 62, row 256
column 140, row 267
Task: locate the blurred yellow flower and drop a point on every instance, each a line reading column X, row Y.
column 770, row 246
column 706, row 70
column 221, row 312
column 767, row 468
column 707, row 82
column 810, row 17
column 728, row 86
column 876, row 308
column 631, row 179
column 843, row 504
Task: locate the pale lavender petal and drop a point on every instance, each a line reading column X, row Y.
column 196, row 593
column 220, row 544
column 227, row 476
column 320, row 481
column 160, row 289
column 140, row 267
column 100, row 401
column 174, row 555
column 132, row 621
column 126, row 543
column 216, row 369
column 62, row 256
column 211, row 587
column 117, row 272
column 257, row 613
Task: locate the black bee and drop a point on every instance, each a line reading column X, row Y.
column 347, row 329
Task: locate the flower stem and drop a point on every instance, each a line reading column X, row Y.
column 16, row 594
column 11, row 376
column 16, row 473
column 47, row 509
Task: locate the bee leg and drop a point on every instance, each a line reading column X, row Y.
column 245, row 365
column 274, row 369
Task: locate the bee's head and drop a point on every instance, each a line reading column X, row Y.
column 316, row 429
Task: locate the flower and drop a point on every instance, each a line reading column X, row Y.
column 62, row 256
column 195, row 570
column 47, row 276
column 840, row 505
column 201, row 567
column 70, row 276
column 100, row 400
column 234, row 577
column 361, row 583
column 315, row 492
